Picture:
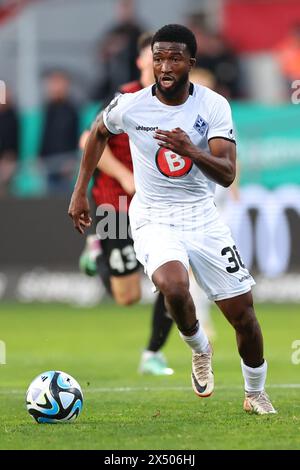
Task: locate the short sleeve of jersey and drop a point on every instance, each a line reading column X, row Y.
column 220, row 124
column 113, row 115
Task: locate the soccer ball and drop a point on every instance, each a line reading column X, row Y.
column 54, row 397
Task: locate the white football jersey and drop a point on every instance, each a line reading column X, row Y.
column 169, row 185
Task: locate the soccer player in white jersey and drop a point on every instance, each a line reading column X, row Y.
column 182, row 143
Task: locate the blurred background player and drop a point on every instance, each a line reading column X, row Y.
column 118, row 50
column 215, row 56
column 59, row 140
column 9, row 143
column 114, row 259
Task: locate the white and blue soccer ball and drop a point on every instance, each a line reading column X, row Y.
column 54, row 397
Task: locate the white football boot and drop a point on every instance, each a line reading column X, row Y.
column 202, row 374
column 259, row 403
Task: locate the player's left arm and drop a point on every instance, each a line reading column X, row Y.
column 219, row 164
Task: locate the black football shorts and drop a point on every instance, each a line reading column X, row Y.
column 117, row 244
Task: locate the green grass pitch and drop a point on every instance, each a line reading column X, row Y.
column 101, row 348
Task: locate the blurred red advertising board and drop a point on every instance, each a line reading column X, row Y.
column 258, row 25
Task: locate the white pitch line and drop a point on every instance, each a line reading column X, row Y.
column 178, row 388
column 154, row 389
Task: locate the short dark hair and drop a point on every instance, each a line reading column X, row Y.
column 144, row 41
column 176, row 33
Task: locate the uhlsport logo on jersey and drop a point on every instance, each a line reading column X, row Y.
column 171, row 164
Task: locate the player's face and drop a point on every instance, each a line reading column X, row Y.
column 171, row 65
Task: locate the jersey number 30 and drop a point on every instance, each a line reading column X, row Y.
column 234, row 259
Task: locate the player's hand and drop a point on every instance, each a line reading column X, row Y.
column 79, row 211
column 176, row 140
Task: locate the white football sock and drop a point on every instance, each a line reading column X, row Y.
column 254, row 377
column 94, row 247
column 146, row 354
column 202, row 306
column 198, row 342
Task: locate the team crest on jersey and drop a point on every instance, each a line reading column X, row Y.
column 201, row 125
column 171, row 164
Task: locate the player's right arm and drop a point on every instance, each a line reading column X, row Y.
column 107, row 123
column 79, row 209
column 111, row 166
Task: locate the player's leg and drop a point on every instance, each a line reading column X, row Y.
column 202, row 306
column 161, row 325
column 126, row 290
column 164, row 257
column 110, row 259
column 124, row 270
column 119, row 256
column 125, row 283
column 92, row 261
column 239, row 311
column 219, row 268
column 172, row 280
column 152, row 360
column 117, row 267
column 90, row 253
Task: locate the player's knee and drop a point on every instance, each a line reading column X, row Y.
column 245, row 321
column 175, row 292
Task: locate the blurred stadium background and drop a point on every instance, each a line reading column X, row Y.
column 80, row 51
column 84, row 49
